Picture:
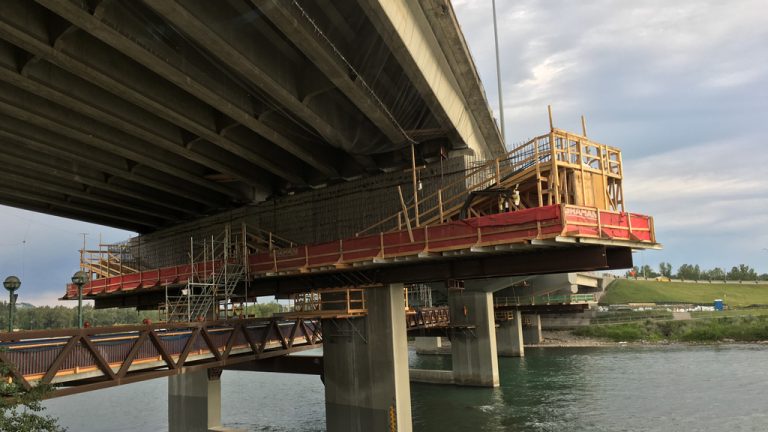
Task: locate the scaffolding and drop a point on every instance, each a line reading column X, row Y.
column 219, row 266
column 559, row 167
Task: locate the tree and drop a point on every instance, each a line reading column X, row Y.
column 715, row 274
column 689, row 272
column 665, row 269
column 647, row 271
column 22, row 411
column 742, row 273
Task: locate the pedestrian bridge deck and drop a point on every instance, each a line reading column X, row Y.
column 77, row 360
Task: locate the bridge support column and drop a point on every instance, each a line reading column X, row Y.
column 194, row 402
column 428, row 344
column 532, row 331
column 473, row 339
column 365, row 367
column 509, row 337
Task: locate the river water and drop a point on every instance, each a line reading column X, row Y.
column 704, row 388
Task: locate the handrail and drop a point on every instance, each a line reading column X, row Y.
column 546, row 299
column 555, row 150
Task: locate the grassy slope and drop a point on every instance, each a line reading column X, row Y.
column 624, row 291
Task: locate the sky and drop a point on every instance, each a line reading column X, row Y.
column 681, row 87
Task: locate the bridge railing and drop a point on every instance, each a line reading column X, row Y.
column 430, row 317
column 547, row 299
column 109, row 356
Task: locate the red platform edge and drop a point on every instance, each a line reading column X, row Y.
column 504, row 228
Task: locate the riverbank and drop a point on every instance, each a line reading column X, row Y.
column 709, row 331
column 745, row 329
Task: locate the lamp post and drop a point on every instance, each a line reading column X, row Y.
column 11, row 283
column 79, row 279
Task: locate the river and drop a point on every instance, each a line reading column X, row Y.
column 655, row 388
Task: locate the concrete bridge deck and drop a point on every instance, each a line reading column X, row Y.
column 140, row 114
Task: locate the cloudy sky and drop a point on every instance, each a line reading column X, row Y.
column 681, row 87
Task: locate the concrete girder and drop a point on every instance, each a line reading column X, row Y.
column 24, row 27
column 370, row 55
column 14, row 130
column 290, row 22
column 406, row 31
column 23, row 192
column 117, row 26
column 260, row 65
column 89, row 177
column 23, row 177
column 443, row 22
column 42, row 113
column 117, row 113
column 47, row 208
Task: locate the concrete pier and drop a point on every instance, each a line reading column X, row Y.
column 427, row 344
column 365, row 367
column 194, row 402
column 473, row 340
column 532, row 331
column 509, row 337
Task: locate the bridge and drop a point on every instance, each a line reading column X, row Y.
column 322, row 152
column 81, row 360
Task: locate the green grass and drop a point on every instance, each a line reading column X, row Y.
column 741, row 329
column 623, row 291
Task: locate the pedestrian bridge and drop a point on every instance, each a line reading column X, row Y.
column 80, row 360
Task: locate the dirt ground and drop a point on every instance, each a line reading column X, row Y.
column 564, row 338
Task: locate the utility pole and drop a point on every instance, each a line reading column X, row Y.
column 498, row 74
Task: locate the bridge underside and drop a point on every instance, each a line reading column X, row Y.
column 535, row 260
column 141, row 114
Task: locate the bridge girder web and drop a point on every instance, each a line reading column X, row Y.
column 211, row 107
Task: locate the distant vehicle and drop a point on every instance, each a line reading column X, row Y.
column 662, row 279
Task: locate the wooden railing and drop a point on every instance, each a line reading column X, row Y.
column 332, row 302
column 545, row 172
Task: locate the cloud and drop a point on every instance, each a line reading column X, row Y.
column 43, row 251
column 681, row 87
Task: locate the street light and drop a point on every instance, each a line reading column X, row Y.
column 11, row 283
column 79, row 279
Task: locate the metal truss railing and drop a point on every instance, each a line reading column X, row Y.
column 78, row 360
column 428, row 317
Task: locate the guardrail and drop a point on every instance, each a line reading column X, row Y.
column 543, row 300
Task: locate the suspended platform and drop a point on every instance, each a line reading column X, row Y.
column 546, row 226
column 558, row 191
